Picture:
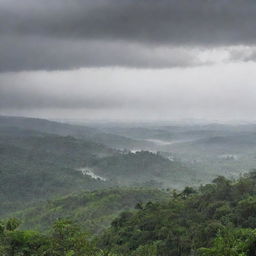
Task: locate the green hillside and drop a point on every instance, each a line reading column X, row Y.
column 142, row 167
column 219, row 216
column 37, row 166
column 92, row 210
column 41, row 167
column 217, row 219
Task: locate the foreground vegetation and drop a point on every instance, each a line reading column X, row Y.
column 191, row 220
column 217, row 219
column 65, row 239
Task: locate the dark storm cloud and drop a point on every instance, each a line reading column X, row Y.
column 36, row 53
column 184, row 22
column 64, row 34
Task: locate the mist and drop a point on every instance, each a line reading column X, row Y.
column 215, row 92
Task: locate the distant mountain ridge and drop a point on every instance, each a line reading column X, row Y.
column 64, row 129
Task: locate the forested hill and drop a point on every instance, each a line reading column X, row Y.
column 94, row 211
column 217, row 219
column 143, row 168
column 63, row 129
column 38, row 166
column 41, row 167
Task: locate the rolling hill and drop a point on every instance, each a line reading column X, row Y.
column 94, row 211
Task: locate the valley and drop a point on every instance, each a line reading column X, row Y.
column 54, row 171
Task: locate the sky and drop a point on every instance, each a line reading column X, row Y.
column 128, row 59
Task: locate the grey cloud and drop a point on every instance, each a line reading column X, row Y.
column 37, row 53
column 226, row 91
column 68, row 34
column 29, row 97
column 197, row 22
column 244, row 54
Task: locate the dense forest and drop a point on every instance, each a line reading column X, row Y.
column 214, row 219
column 37, row 166
column 40, row 167
column 93, row 210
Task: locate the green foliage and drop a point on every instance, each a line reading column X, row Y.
column 65, row 239
column 12, row 224
column 14, row 242
column 216, row 220
column 93, row 210
column 42, row 167
column 143, row 168
column 191, row 220
column 146, row 250
column 232, row 242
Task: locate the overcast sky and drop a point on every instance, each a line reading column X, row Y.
column 128, row 59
